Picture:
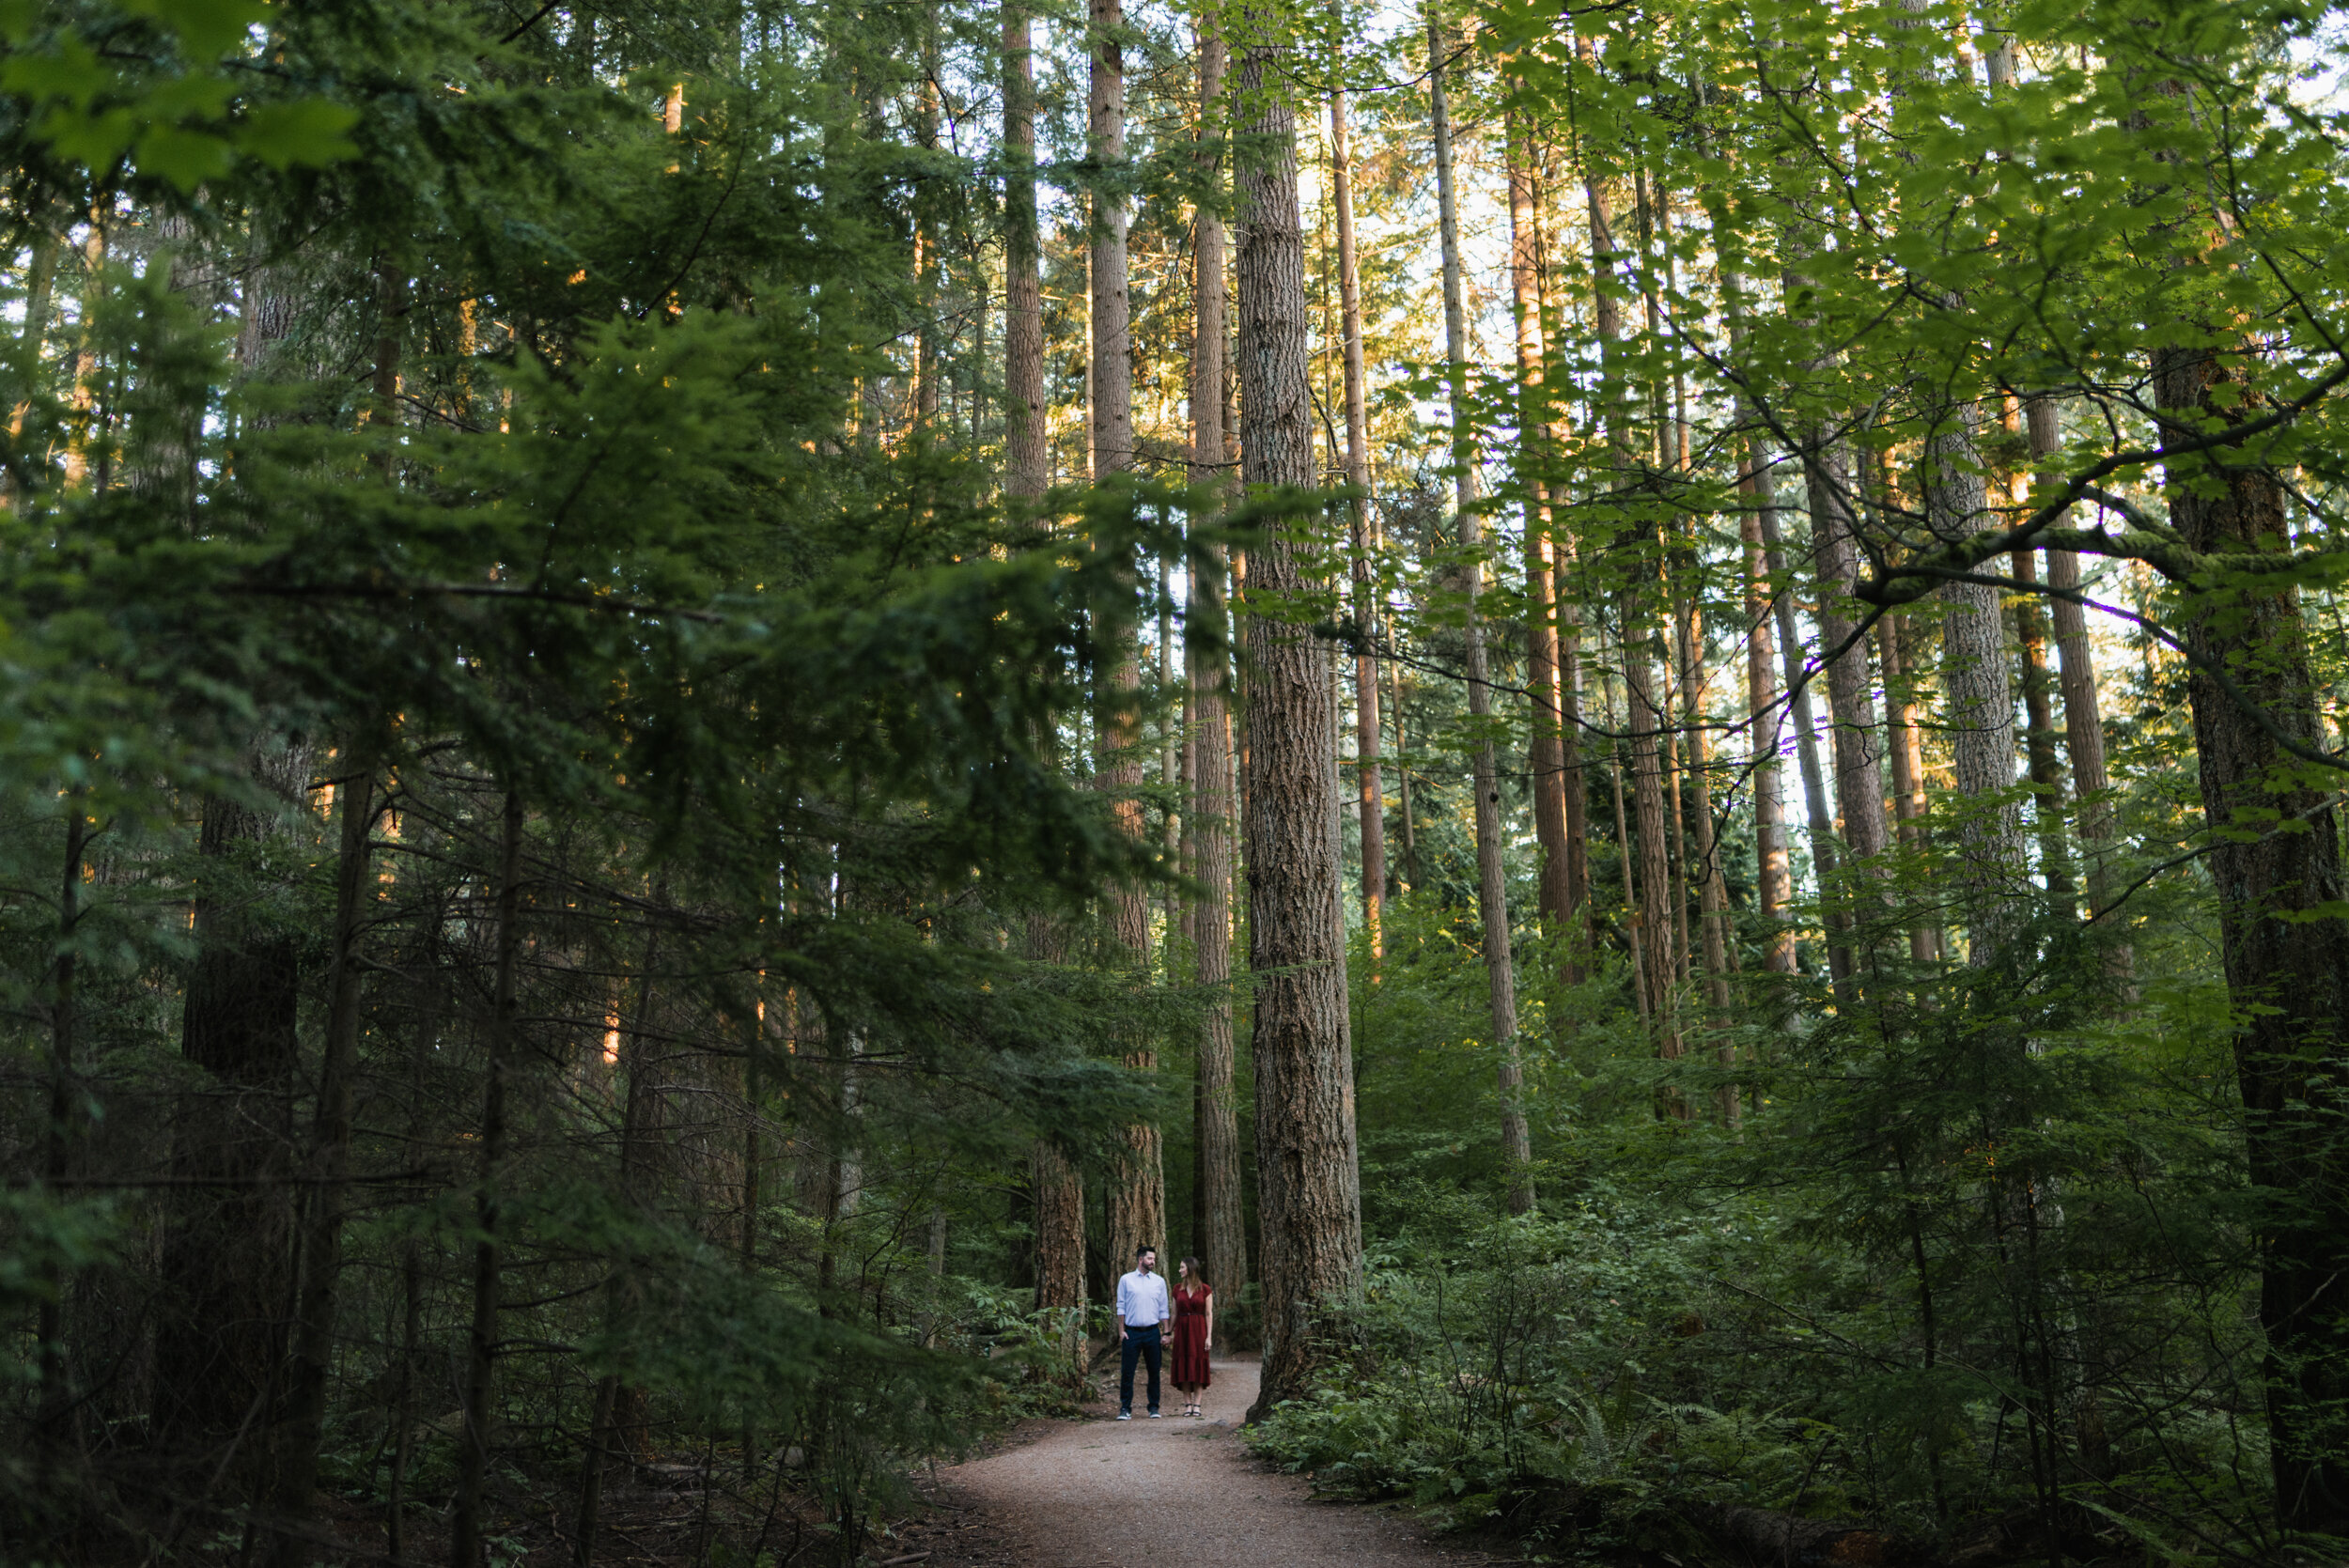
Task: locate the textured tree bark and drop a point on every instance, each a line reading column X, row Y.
column 1371, row 806
column 2287, row 966
column 1652, row 915
column 1219, row 1230
column 481, row 1337
column 1027, row 464
column 1774, row 890
column 1309, row 1183
column 1547, row 744
column 1981, row 698
column 1492, row 895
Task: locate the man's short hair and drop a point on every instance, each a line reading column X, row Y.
column 1145, row 1247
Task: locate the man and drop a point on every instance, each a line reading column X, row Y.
column 1143, row 1311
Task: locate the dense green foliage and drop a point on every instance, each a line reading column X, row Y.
column 554, row 847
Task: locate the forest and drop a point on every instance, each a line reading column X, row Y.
column 1640, row 707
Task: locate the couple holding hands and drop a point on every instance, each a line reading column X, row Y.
column 1148, row 1315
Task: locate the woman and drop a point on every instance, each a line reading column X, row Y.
column 1194, row 1333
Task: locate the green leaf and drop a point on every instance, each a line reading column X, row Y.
column 307, row 131
column 186, row 157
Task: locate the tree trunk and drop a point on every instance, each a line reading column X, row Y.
column 1823, row 851
column 1774, row 882
column 1981, row 699
column 481, row 1338
column 1219, row 1230
column 1909, row 772
column 1492, row 895
column 2083, row 720
column 1547, row 743
column 220, row 1338
column 1858, row 761
column 1372, row 806
column 1712, row 890
column 1309, row 1183
column 2039, row 736
column 1653, row 915
column 1027, row 462
column 318, row 1292
column 2275, row 863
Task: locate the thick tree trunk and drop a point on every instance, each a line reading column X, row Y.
column 1027, row 462
column 2275, row 864
column 1372, row 800
column 1492, row 895
column 1981, row 698
column 1308, row 1182
column 1219, row 1233
column 481, row 1337
column 1774, row 889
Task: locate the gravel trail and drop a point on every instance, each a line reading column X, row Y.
column 1175, row 1493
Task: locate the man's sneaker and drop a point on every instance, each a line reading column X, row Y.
column 1125, row 1415
column 1153, row 1414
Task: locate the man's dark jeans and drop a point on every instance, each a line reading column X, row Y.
column 1138, row 1342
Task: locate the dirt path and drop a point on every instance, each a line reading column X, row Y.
column 1096, row 1493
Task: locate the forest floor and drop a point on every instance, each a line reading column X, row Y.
column 1092, row 1492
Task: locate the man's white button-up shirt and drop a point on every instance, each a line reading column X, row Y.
column 1142, row 1298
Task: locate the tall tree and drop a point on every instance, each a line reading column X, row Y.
column 1308, row 1175
column 1372, row 799
column 1492, row 888
column 1546, row 748
column 1218, row 1229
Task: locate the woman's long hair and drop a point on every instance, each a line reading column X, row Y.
column 1195, row 1274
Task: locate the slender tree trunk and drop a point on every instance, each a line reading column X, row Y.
column 2039, row 738
column 2083, row 720
column 1027, row 463
column 1547, row 744
column 1653, row 916
column 1774, row 882
column 1309, row 1183
column 1712, row 888
column 1858, row 758
column 1219, row 1232
column 318, row 1292
column 1372, row 804
column 1492, row 897
column 481, row 1338
column 1909, row 773
column 1824, row 855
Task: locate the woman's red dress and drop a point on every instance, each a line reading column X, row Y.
column 1190, row 1338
